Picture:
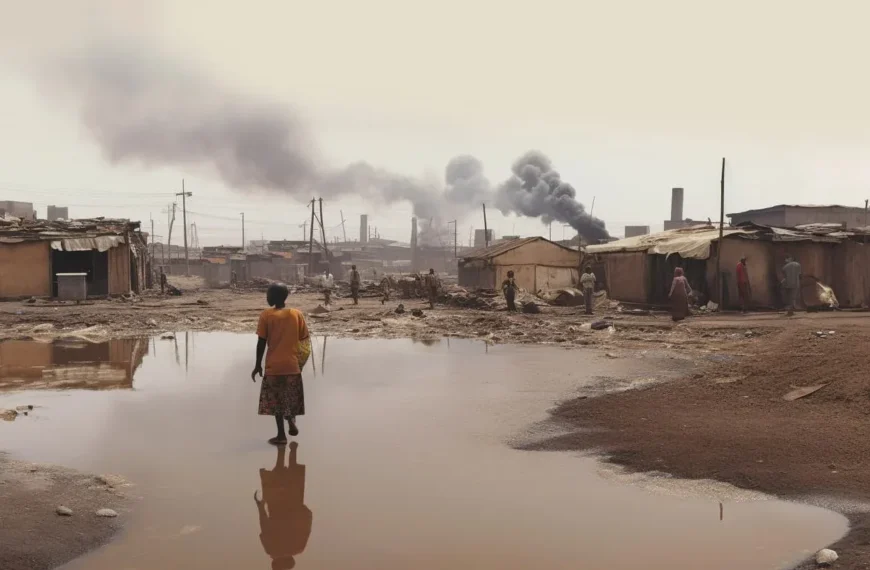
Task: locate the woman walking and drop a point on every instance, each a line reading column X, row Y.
column 679, row 296
column 284, row 332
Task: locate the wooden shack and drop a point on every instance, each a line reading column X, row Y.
column 538, row 265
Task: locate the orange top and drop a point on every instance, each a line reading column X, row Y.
column 283, row 330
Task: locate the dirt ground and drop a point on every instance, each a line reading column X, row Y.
column 726, row 419
column 729, row 421
column 34, row 535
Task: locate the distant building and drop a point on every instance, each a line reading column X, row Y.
column 23, row 210
column 537, row 263
column 57, row 213
column 481, row 238
column 634, row 231
column 790, row 216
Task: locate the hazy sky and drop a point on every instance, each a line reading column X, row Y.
column 627, row 98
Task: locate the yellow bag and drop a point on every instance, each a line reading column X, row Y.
column 304, row 352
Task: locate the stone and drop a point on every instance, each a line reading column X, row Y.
column 107, row 513
column 64, row 511
column 417, row 312
column 826, row 557
column 400, row 309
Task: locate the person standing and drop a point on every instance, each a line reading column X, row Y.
column 587, row 284
column 679, row 295
column 432, row 287
column 385, row 289
column 791, row 284
column 162, row 282
column 509, row 288
column 284, row 332
column 328, row 283
column 743, row 288
column 354, row 284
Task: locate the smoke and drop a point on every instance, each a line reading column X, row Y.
column 151, row 110
column 536, row 190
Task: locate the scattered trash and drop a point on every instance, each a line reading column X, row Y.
column 400, row 309
column 610, row 355
column 418, row 312
column 826, row 557
column 749, row 334
column 711, row 306
column 26, row 408
column 824, row 334
column 8, row 415
column 531, row 308
column 802, row 392
column 600, row 325
column 201, row 302
column 568, row 297
column 64, row 511
column 31, row 300
column 107, row 513
column 151, row 323
column 168, row 337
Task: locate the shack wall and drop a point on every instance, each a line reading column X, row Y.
column 25, row 269
column 477, row 275
column 851, row 281
column 539, row 253
column 547, row 277
column 626, row 276
column 119, row 270
column 524, row 276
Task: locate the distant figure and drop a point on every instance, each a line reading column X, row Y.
column 354, row 284
column 234, row 279
column 509, row 288
column 328, row 283
column 679, row 295
column 285, row 521
column 432, row 287
column 743, row 288
column 587, row 283
column 284, row 332
column 385, row 289
column 162, row 282
column 791, row 284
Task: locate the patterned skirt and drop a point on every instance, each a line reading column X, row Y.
column 282, row 396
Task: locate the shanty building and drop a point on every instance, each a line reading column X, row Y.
column 641, row 269
column 793, row 215
column 538, row 264
column 111, row 253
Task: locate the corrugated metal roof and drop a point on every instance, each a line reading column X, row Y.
column 506, row 246
column 796, row 206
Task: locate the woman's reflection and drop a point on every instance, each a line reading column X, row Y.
column 285, row 521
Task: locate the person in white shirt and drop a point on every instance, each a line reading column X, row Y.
column 587, row 284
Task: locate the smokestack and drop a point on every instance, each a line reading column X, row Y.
column 363, row 228
column 676, row 204
column 413, row 244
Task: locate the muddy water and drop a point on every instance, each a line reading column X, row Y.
column 402, row 462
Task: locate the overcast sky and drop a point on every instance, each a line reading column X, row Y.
column 627, row 98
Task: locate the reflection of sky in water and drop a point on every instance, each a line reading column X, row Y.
column 405, row 465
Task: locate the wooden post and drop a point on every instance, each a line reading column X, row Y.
column 311, row 243
column 721, row 234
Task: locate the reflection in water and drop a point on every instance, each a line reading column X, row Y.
column 65, row 364
column 427, row 341
column 285, row 521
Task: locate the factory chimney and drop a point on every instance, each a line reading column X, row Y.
column 676, row 204
column 364, row 228
column 413, row 244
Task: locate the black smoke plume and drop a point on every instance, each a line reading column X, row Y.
column 151, row 110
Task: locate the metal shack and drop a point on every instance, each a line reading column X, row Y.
column 538, row 264
column 112, row 254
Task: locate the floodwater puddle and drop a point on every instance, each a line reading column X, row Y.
column 402, row 462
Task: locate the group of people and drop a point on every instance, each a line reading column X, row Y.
column 510, row 289
column 327, row 284
column 681, row 292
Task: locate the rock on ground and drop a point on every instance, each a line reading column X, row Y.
column 826, row 557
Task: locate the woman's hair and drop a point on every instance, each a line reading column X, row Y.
column 678, row 272
column 276, row 294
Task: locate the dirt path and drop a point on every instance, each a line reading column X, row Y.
column 730, row 422
column 35, row 537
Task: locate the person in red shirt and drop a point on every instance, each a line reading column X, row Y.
column 284, row 332
column 743, row 288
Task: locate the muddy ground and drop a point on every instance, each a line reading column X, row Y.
column 34, row 534
column 725, row 420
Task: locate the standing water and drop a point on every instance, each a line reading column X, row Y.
column 402, row 462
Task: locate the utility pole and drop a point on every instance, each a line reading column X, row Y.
column 184, row 196
column 311, row 242
column 485, row 228
column 304, row 230
column 152, row 238
column 343, row 232
column 551, row 230
column 323, row 232
column 721, row 233
column 170, row 220
column 455, row 238
column 243, row 231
